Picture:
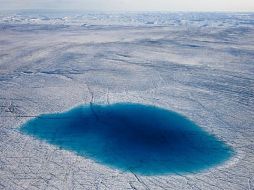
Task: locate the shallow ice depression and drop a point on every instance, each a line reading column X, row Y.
column 138, row 138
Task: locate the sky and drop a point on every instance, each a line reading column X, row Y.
column 132, row 5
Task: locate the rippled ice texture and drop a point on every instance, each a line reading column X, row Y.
column 199, row 65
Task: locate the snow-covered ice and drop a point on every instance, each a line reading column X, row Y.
column 197, row 64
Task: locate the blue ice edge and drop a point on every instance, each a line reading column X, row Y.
column 138, row 138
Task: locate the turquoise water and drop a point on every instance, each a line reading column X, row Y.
column 132, row 137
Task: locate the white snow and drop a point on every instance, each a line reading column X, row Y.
column 200, row 65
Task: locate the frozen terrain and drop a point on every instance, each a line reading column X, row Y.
column 199, row 65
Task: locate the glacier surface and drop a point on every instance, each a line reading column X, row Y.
column 197, row 64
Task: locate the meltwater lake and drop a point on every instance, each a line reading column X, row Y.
column 137, row 138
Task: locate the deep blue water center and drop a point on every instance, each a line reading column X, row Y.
column 132, row 137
